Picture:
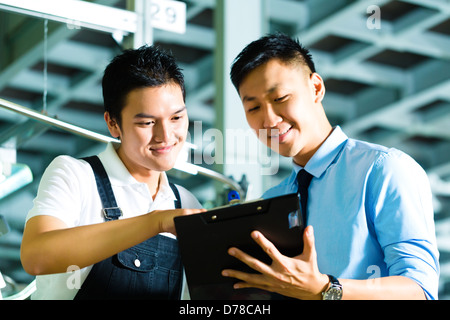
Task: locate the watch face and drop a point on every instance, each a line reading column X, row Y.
column 333, row 294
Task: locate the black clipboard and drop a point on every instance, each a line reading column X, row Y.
column 204, row 239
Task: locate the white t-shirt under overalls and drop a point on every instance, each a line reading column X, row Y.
column 68, row 191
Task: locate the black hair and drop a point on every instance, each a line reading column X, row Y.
column 147, row 66
column 272, row 46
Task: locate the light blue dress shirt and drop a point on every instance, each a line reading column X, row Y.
column 371, row 209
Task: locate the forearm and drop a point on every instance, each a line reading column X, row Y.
column 386, row 288
column 54, row 250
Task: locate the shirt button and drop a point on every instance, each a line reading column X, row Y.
column 137, row 263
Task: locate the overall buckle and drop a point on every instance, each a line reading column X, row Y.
column 112, row 213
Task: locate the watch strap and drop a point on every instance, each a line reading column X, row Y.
column 333, row 280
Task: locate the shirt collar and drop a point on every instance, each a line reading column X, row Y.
column 326, row 153
column 165, row 191
column 118, row 174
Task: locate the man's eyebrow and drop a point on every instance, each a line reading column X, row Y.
column 146, row 115
column 180, row 110
column 249, row 99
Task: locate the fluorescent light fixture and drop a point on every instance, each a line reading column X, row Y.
column 78, row 13
column 182, row 162
column 2, row 285
column 4, row 227
column 33, row 114
column 163, row 14
column 186, row 167
column 20, row 176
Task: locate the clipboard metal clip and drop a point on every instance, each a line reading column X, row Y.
column 293, row 219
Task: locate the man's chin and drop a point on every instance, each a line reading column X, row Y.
column 162, row 168
column 163, row 165
column 284, row 152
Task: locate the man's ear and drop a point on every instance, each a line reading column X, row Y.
column 318, row 87
column 113, row 126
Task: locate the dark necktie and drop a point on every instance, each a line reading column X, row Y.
column 303, row 180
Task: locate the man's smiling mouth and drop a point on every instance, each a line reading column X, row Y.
column 162, row 150
column 281, row 134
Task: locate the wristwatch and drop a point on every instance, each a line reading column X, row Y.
column 334, row 290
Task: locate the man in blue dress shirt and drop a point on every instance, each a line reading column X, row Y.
column 370, row 206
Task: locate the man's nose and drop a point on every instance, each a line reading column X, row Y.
column 271, row 117
column 162, row 132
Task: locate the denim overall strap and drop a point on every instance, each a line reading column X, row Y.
column 149, row 270
column 110, row 209
column 177, row 202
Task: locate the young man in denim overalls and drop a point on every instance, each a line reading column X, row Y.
column 110, row 217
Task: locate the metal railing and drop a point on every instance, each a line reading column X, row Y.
column 184, row 167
